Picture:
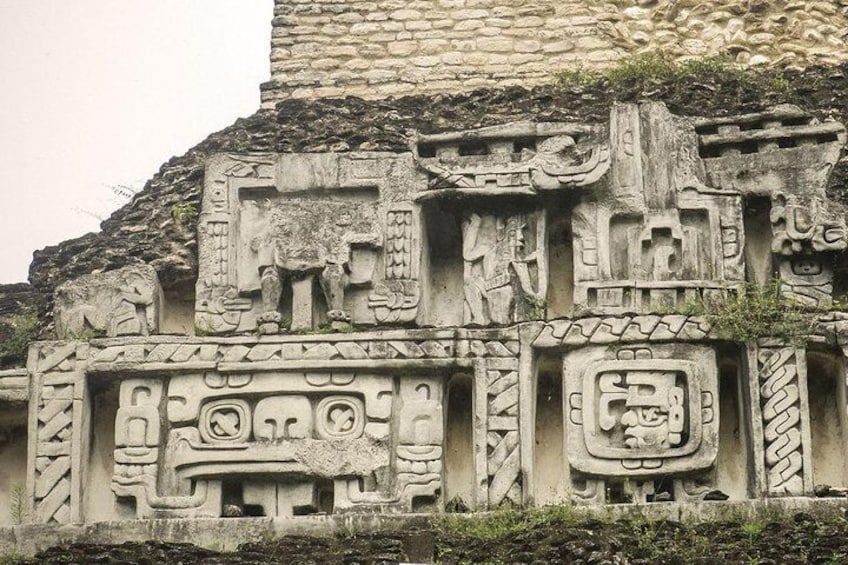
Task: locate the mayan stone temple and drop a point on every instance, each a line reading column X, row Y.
column 502, row 314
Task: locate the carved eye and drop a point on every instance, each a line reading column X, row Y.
column 225, row 421
column 340, row 417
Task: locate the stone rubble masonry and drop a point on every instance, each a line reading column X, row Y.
column 374, row 49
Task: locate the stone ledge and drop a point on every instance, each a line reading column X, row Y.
column 226, row 534
column 14, row 385
column 222, row 534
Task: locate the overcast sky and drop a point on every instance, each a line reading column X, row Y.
column 100, row 93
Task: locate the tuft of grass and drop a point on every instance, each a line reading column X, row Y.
column 752, row 312
column 183, row 213
column 18, row 504
column 506, row 521
column 755, row 311
column 654, row 67
column 752, row 530
column 12, row 558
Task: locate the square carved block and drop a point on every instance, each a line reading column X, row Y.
column 641, row 410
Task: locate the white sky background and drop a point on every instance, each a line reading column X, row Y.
column 100, row 93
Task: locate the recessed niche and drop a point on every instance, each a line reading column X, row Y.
column 732, row 461
column 459, row 442
column 445, row 297
column 826, row 390
column 13, row 469
column 561, row 266
column 549, row 464
column 758, row 236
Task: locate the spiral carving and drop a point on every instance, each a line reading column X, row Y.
column 781, row 400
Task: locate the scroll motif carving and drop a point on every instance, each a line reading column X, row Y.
column 546, row 260
column 217, row 426
column 641, row 411
column 520, row 158
column 137, row 436
column 420, row 438
column 804, row 227
column 782, row 426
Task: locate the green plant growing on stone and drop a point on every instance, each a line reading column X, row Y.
column 11, row 558
column 202, row 328
column 505, row 521
column 656, row 67
column 752, row 530
column 755, row 311
column 537, row 309
column 85, row 334
column 183, row 213
column 580, row 76
column 348, row 530
column 751, row 312
column 16, row 333
column 18, row 503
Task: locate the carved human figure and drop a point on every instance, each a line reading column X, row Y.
column 333, row 278
column 496, row 268
column 120, row 302
column 298, row 258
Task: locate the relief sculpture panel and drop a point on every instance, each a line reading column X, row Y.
column 641, row 411
column 504, row 267
column 527, row 312
column 293, row 242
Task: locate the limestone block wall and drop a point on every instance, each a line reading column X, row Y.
column 367, row 48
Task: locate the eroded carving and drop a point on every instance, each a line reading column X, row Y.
column 121, row 302
column 510, row 248
column 504, row 272
column 502, row 439
column 519, row 158
column 277, row 228
column 665, row 237
column 396, row 299
column 55, row 463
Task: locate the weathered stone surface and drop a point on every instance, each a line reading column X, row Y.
column 125, row 301
column 513, row 248
column 799, row 33
column 145, row 230
column 460, row 301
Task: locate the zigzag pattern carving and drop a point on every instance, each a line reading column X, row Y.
column 607, row 330
column 53, row 455
column 293, row 351
column 504, row 454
